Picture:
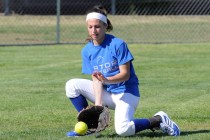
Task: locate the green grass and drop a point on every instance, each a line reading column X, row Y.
column 174, row 78
column 31, row 29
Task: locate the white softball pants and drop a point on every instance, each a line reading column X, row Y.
column 124, row 104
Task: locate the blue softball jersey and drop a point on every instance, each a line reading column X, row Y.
column 107, row 58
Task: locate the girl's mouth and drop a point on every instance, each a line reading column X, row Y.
column 94, row 35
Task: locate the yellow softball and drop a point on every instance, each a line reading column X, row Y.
column 81, row 128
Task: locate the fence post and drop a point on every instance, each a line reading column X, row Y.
column 7, row 7
column 113, row 7
column 58, row 21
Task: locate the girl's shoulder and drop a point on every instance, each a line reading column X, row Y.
column 87, row 46
column 114, row 41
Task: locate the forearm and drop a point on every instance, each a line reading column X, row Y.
column 121, row 77
column 98, row 91
column 124, row 75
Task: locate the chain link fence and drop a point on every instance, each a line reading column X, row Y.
column 29, row 22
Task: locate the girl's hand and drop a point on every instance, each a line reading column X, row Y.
column 100, row 77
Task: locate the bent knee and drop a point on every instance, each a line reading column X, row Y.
column 125, row 129
column 71, row 88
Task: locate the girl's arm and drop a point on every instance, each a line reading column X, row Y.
column 124, row 75
column 98, row 90
column 99, row 80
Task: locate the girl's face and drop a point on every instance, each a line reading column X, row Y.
column 96, row 29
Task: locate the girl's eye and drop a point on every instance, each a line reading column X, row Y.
column 96, row 27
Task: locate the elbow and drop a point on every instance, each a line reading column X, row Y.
column 127, row 77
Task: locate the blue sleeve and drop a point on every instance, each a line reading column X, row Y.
column 86, row 63
column 123, row 54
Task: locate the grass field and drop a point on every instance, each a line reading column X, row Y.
column 30, row 29
column 174, row 78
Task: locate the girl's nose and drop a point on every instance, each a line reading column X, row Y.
column 94, row 29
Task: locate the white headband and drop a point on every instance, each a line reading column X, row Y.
column 96, row 16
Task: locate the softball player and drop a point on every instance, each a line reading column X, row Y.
column 114, row 82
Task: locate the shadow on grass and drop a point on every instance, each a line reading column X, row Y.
column 184, row 133
column 138, row 135
column 154, row 134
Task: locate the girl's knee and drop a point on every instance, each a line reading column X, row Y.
column 70, row 83
column 125, row 129
column 70, row 88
